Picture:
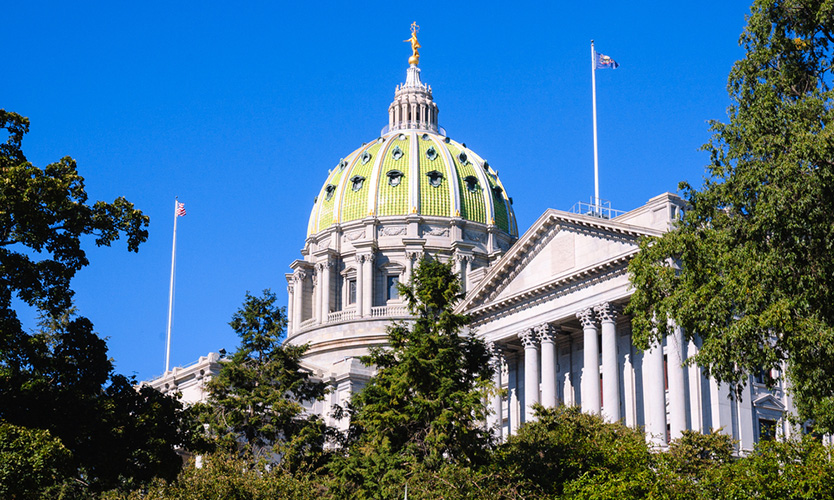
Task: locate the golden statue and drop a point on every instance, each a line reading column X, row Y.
column 415, row 56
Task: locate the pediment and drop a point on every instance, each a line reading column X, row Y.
column 769, row 402
column 556, row 247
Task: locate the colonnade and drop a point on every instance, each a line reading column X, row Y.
column 535, row 371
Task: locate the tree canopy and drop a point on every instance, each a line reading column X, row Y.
column 255, row 402
column 750, row 267
column 425, row 403
column 57, row 383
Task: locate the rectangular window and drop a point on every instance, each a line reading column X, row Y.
column 351, row 291
column 767, row 430
column 393, row 290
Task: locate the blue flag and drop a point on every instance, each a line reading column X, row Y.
column 603, row 62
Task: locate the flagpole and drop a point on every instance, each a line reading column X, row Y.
column 171, row 290
column 594, row 100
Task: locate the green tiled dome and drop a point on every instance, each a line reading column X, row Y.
column 412, row 172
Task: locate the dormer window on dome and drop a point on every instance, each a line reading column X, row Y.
column 394, row 178
column 497, row 190
column 471, row 183
column 397, row 153
column 462, row 158
column 435, row 178
column 431, row 153
column 358, row 181
column 366, row 157
column 328, row 192
column 342, row 164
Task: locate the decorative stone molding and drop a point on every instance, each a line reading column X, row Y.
column 474, row 237
column 392, row 230
column 413, row 254
column 586, row 317
column 435, row 231
column 528, row 338
column 607, row 312
column 547, row 332
column 299, row 275
column 354, row 235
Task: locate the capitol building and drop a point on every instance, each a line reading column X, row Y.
column 548, row 300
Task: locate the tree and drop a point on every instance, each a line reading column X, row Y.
column 255, row 402
column 425, row 404
column 33, row 463
column 59, row 378
column 564, row 445
column 750, row 268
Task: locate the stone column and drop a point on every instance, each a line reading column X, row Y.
column 461, row 265
column 677, row 389
column 360, row 285
column 324, row 284
column 547, row 334
column 291, row 326
column 298, row 295
column 590, row 365
column 496, row 420
column 531, row 372
column 654, row 394
column 409, row 266
column 607, row 314
column 316, row 296
column 368, row 290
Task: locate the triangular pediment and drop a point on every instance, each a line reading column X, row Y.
column 556, row 247
column 769, row 402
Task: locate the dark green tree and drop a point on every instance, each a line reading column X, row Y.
column 60, row 379
column 750, row 267
column 425, row 404
column 255, row 402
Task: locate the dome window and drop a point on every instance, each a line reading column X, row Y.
column 425, row 137
column 447, row 140
column 358, row 181
column 328, row 192
column 471, row 183
column 397, row 153
column 366, row 157
column 342, row 164
column 394, row 178
column 380, row 140
column 463, row 159
column 435, row 178
column 497, row 190
column 401, row 137
column 431, row 153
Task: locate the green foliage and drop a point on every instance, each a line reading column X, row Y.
column 255, row 401
column 425, row 405
column 223, row 476
column 60, row 379
column 46, row 212
column 793, row 469
column 564, row 445
column 118, row 436
column 33, row 463
column 753, row 272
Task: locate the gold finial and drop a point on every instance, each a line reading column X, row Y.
column 415, row 56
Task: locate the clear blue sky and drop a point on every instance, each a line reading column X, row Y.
column 240, row 110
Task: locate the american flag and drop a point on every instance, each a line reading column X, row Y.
column 180, row 211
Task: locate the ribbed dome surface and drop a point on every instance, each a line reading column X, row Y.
column 412, row 172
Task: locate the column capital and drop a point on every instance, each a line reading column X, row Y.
column 547, row 332
column 607, row 312
column 290, row 289
column 528, row 338
column 587, row 318
column 299, row 275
